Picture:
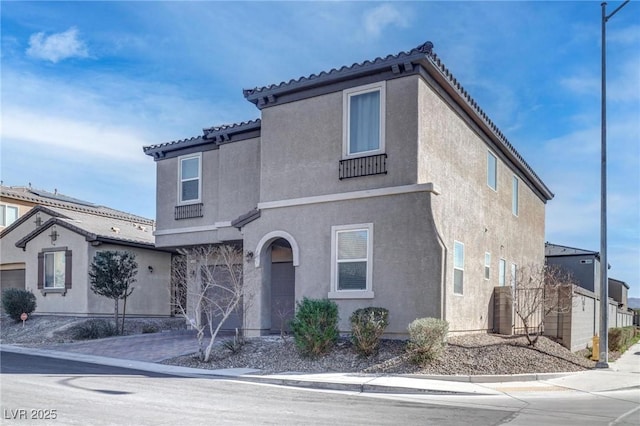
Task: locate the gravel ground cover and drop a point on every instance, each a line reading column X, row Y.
column 474, row 354
column 43, row 330
column 464, row 355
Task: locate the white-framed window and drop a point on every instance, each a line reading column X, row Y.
column 458, row 267
column 8, row 214
column 487, row 265
column 54, row 269
column 492, row 171
column 502, row 272
column 364, row 120
column 514, row 272
column 189, row 179
column 351, row 261
column 514, row 196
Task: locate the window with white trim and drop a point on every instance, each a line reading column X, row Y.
column 189, row 178
column 458, row 267
column 363, row 120
column 54, row 269
column 487, row 265
column 502, row 272
column 492, row 171
column 8, row 214
column 514, row 197
column 351, row 254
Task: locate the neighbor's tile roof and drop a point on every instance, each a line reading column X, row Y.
column 55, row 199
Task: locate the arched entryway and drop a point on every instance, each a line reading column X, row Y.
column 277, row 257
column 282, row 286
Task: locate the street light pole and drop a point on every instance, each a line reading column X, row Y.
column 603, row 361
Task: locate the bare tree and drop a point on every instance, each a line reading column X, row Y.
column 209, row 289
column 540, row 290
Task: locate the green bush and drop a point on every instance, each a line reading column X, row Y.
column 315, row 326
column 16, row 301
column 367, row 327
column 427, row 339
column 621, row 338
column 93, row 329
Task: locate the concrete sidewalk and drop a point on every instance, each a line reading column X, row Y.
column 143, row 352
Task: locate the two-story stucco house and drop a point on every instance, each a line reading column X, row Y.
column 379, row 184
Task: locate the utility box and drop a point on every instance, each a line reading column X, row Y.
column 595, row 350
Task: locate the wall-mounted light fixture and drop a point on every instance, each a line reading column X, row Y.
column 249, row 256
column 53, row 235
column 150, row 268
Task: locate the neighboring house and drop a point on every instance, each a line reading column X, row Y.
column 48, row 251
column 575, row 329
column 619, row 291
column 379, row 184
column 583, row 265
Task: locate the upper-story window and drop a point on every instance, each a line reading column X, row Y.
column 190, row 173
column 514, row 197
column 458, row 267
column 8, row 214
column 492, row 171
column 363, row 120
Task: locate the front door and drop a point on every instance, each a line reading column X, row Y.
column 282, row 296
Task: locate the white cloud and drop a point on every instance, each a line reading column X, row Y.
column 379, row 18
column 57, row 47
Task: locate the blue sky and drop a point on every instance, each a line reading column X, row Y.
column 85, row 85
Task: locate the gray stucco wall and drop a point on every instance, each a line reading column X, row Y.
column 406, row 256
column 454, row 157
column 230, row 188
column 302, row 145
column 585, row 269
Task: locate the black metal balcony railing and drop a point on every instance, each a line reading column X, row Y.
column 188, row 211
column 363, row 166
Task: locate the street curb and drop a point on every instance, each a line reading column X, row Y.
column 247, row 375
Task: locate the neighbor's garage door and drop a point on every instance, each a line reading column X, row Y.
column 11, row 279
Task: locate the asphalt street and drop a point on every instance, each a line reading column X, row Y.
column 35, row 389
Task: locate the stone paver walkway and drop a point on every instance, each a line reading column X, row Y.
column 153, row 347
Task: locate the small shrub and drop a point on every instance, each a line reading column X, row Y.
column 619, row 339
column 315, row 326
column 149, row 329
column 93, row 329
column 367, row 327
column 235, row 344
column 16, row 301
column 427, row 339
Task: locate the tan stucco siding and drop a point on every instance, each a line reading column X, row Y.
column 151, row 295
column 74, row 300
column 454, row 157
column 302, row 145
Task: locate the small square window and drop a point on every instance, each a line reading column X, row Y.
column 8, row 215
